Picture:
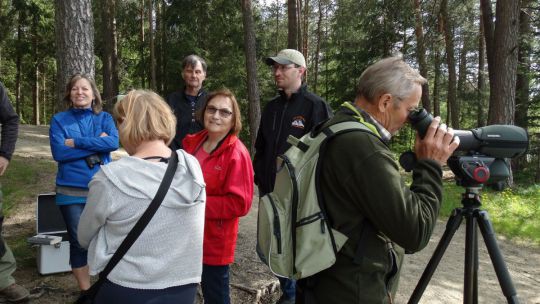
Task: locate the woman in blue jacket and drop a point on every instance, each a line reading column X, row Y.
column 81, row 141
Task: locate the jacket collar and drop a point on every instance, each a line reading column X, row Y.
column 301, row 91
column 201, row 92
column 193, row 142
column 366, row 119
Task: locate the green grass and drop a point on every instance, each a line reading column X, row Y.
column 24, row 179
column 515, row 213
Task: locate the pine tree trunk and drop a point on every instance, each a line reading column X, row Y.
column 251, row 67
column 318, row 48
column 451, row 63
column 421, row 52
column 152, row 48
column 18, row 65
column 110, row 53
column 481, row 96
column 35, row 74
column 524, row 66
column 502, row 59
column 292, row 36
column 74, row 42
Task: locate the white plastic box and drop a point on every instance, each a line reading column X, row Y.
column 53, row 253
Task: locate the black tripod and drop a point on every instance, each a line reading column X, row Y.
column 474, row 217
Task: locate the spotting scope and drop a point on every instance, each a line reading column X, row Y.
column 498, row 141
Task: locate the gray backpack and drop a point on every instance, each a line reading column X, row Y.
column 294, row 235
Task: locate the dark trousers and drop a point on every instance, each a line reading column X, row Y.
column 110, row 293
column 215, row 284
column 288, row 287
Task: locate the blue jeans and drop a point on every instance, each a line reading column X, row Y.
column 110, row 293
column 288, row 287
column 215, row 284
column 78, row 256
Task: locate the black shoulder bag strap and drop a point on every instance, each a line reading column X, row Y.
column 139, row 226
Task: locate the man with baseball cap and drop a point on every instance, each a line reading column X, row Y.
column 295, row 111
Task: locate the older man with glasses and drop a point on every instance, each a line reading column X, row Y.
column 295, row 111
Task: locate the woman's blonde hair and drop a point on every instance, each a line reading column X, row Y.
column 143, row 115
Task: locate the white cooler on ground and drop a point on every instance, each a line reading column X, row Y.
column 52, row 238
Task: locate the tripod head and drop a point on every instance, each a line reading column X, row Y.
column 476, row 170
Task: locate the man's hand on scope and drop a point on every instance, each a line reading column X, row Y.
column 438, row 144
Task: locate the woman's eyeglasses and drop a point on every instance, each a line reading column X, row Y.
column 225, row 113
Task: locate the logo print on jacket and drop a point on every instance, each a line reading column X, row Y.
column 298, row 122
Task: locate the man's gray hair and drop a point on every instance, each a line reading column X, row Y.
column 391, row 75
column 192, row 60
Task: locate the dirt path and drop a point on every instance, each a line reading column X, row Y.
column 252, row 283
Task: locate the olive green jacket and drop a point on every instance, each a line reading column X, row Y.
column 368, row 200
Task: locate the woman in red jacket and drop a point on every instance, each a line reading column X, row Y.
column 228, row 175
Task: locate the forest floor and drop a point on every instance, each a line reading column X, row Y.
column 251, row 281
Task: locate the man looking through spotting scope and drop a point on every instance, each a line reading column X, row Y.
column 365, row 196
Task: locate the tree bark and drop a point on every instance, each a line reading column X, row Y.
column 142, row 70
column 502, row 54
column 18, row 64
column 251, row 67
column 436, row 84
column 481, row 96
column 74, row 42
column 159, row 48
column 524, row 65
column 292, row 35
column 305, row 28
column 35, row 74
column 318, row 47
column 451, row 63
column 421, row 54
column 110, row 53
column 151, row 42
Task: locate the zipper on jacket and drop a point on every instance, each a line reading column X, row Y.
column 277, row 226
column 278, row 134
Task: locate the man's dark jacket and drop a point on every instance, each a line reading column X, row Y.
column 367, row 199
column 281, row 118
column 186, row 112
column 10, row 125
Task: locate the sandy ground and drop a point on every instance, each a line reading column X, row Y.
column 251, row 282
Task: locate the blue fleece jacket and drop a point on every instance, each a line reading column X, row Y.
column 84, row 127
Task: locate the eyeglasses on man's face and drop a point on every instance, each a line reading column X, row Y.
column 225, row 113
column 283, row 67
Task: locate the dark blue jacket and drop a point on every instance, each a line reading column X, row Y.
column 10, row 125
column 186, row 118
column 84, row 127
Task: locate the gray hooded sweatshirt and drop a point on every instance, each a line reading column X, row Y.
column 169, row 250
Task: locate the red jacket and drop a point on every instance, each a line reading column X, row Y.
column 228, row 175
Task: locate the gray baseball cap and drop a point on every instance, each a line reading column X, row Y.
column 287, row 56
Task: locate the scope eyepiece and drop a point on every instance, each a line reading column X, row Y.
column 499, row 141
column 420, row 119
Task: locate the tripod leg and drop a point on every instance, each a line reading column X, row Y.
column 451, row 226
column 470, row 290
column 496, row 257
